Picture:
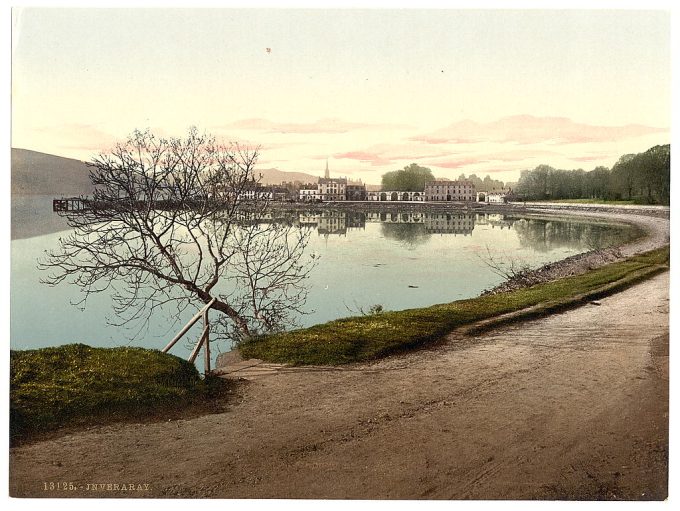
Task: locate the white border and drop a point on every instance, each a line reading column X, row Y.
column 311, row 504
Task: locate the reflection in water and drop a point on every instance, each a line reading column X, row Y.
column 411, row 234
column 448, row 223
column 32, row 216
column 415, row 228
column 338, row 222
column 545, row 235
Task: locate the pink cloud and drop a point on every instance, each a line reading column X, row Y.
column 363, row 157
column 322, row 126
column 527, row 129
column 519, row 155
column 587, row 158
column 393, row 154
column 390, row 154
column 456, row 164
column 504, row 170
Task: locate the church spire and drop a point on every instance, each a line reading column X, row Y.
column 327, row 175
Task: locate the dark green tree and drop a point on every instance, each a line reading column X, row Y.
column 624, row 176
column 411, row 178
column 597, row 184
column 643, row 177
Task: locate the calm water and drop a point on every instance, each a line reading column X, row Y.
column 398, row 260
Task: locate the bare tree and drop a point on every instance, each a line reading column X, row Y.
column 176, row 222
column 371, row 310
column 510, row 268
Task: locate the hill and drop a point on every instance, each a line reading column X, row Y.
column 276, row 176
column 35, row 173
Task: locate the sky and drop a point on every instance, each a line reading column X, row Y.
column 459, row 91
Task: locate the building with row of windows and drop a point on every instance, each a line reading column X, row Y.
column 394, row 196
column 495, row 196
column 258, row 192
column 309, row 193
column 441, row 190
column 332, row 189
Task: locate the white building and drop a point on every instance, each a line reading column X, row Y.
column 309, row 193
column 394, row 196
column 493, row 197
column 333, row 189
column 257, row 192
column 440, row 190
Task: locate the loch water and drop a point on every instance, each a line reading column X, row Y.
column 397, row 259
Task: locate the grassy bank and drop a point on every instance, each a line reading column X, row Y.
column 75, row 385
column 608, row 202
column 369, row 337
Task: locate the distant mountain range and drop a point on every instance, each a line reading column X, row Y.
column 35, row 173
column 276, row 176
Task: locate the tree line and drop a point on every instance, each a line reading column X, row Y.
column 643, row 178
column 483, row 185
column 413, row 177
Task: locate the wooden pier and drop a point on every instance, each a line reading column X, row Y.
column 70, row 204
column 83, row 204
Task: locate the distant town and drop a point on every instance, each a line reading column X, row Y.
column 339, row 189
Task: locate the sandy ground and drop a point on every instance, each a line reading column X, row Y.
column 571, row 406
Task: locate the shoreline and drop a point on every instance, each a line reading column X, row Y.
column 476, row 207
column 542, row 291
column 653, row 222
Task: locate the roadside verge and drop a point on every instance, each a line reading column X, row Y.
column 364, row 338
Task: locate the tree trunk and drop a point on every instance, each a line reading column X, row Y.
column 241, row 323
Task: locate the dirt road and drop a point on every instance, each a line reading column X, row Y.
column 571, row 406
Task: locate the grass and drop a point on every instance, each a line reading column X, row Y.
column 640, row 201
column 592, row 201
column 75, row 385
column 365, row 338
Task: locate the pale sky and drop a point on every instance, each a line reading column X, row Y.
column 457, row 91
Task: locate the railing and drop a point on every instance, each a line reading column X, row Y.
column 204, row 340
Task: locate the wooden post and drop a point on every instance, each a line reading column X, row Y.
column 197, row 348
column 188, row 326
column 206, row 333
